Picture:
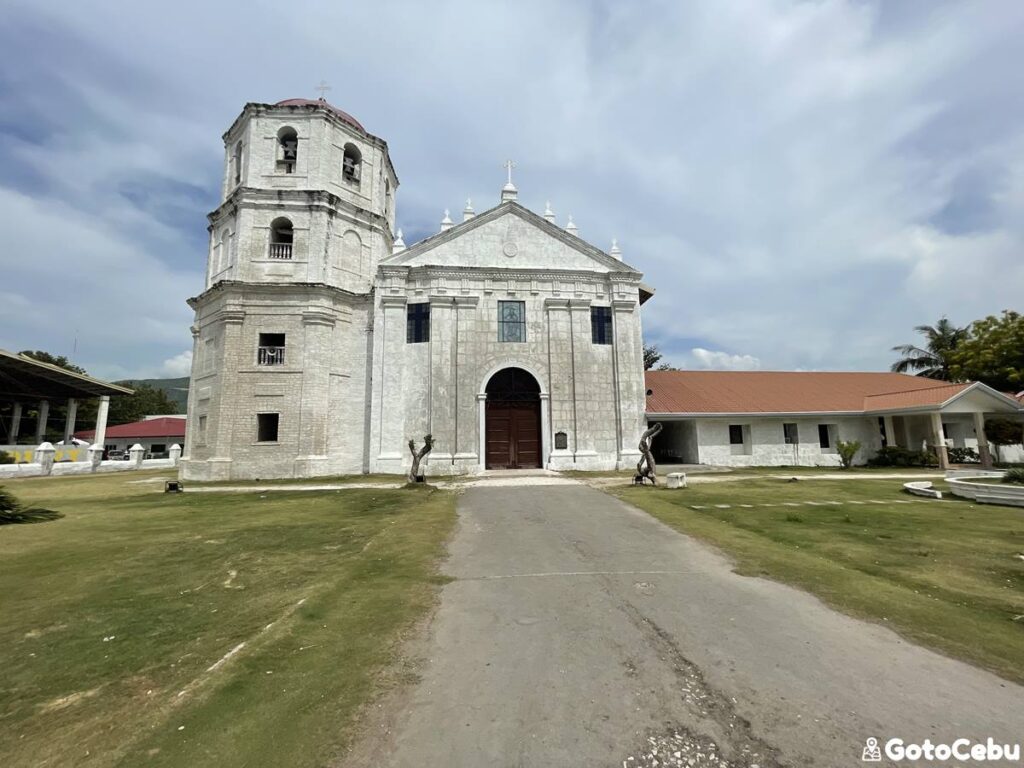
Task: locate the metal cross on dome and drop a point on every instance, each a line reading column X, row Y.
column 323, row 88
column 509, row 165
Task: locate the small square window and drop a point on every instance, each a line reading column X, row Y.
column 511, row 321
column 735, row 434
column 266, row 427
column 417, row 324
column 790, row 434
column 601, row 325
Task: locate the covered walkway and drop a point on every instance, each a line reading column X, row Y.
column 26, row 383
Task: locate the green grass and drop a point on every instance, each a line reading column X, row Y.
column 175, row 582
column 945, row 574
column 325, row 480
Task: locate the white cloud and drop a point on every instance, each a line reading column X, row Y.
column 785, row 173
column 177, row 366
column 708, row 359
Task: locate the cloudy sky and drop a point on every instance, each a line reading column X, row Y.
column 803, row 182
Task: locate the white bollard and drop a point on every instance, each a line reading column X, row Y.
column 137, row 454
column 95, row 456
column 175, row 453
column 44, row 457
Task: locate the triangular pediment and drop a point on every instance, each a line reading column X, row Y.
column 508, row 236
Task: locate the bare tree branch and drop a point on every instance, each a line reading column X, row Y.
column 417, row 457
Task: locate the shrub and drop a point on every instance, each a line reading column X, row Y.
column 6, row 458
column 1015, row 476
column 894, row 456
column 8, row 503
column 847, row 450
column 963, row 456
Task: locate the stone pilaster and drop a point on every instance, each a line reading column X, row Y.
column 314, row 416
column 391, row 424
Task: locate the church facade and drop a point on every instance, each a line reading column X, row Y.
column 322, row 344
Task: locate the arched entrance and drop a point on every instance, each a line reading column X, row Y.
column 512, row 421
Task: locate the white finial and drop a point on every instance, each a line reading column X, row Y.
column 468, row 212
column 509, row 191
column 399, row 245
column 446, row 222
column 571, row 227
column 616, row 251
column 549, row 215
column 323, row 88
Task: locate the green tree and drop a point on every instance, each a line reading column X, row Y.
column 651, row 356
column 147, row 401
column 59, row 360
column 1001, row 432
column 933, row 360
column 993, row 353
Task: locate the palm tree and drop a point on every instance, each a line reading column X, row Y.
column 933, row 361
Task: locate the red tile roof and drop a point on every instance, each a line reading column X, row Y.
column 163, row 427
column 913, row 399
column 344, row 116
column 709, row 392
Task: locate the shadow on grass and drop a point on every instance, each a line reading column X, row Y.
column 24, row 516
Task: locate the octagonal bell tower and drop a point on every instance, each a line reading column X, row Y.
column 281, row 335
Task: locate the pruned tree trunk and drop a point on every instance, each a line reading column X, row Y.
column 417, row 456
column 650, row 471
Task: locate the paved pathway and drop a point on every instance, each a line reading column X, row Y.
column 579, row 631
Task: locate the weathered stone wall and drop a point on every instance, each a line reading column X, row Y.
column 319, row 391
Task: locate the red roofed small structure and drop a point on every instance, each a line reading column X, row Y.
column 156, row 435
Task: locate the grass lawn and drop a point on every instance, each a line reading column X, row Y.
column 947, row 574
column 124, row 621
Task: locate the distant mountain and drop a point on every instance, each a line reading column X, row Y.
column 175, row 389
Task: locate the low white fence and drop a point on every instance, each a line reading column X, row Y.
column 45, row 465
column 1006, row 494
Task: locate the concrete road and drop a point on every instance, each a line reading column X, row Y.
column 579, row 631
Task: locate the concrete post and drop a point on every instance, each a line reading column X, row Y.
column 12, row 433
column 938, row 441
column 175, row 453
column 69, row 422
column 95, row 456
column 44, row 415
column 979, row 430
column 545, row 429
column 101, row 420
column 137, row 453
column 44, row 457
column 481, row 401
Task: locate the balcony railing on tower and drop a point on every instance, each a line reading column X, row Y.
column 280, row 250
column 270, row 355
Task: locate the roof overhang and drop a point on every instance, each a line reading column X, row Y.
column 23, row 379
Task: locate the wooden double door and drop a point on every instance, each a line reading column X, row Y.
column 513, row 434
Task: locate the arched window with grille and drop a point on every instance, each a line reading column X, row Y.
column 282, row 236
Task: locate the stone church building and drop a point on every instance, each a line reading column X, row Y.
column 322, row 343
